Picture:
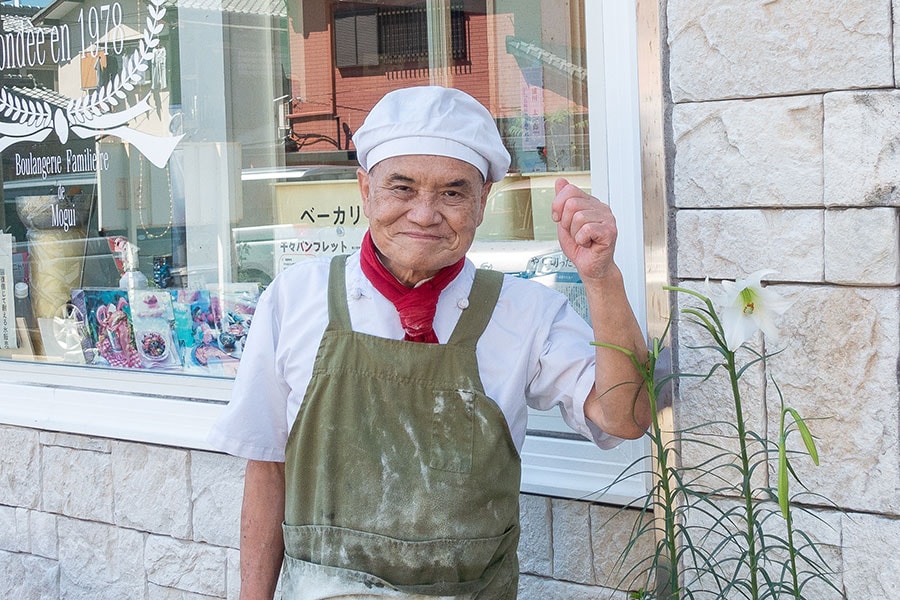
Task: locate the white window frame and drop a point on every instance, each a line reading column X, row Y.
column 563, row 466
column 178, row 410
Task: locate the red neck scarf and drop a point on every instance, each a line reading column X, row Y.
column 416, row 306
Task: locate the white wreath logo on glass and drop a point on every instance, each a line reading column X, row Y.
column 93, row 114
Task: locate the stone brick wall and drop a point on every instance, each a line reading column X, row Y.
column 85, row 518
column 92, row 518
column 784, row 152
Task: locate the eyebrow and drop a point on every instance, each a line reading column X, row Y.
column 457, row 183
column 399, row 178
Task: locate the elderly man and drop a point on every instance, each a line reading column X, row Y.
column 382, row 397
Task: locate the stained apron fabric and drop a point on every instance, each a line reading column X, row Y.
column 402, row 480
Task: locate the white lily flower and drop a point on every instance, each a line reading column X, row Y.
column 747, row 306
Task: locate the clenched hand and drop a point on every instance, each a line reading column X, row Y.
column 586, row 228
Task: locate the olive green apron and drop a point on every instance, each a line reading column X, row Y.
column 402, row 479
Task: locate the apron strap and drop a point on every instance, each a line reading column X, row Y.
column 338, row 311
column 482, row 300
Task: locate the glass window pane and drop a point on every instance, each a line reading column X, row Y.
column 163, row 160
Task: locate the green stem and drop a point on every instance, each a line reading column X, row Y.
column 789, row 522
column 793, row 553
column 746, row 486
column 668, row 501
column 663, row 489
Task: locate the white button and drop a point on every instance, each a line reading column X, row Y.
column 356, row 293
column 463, row 303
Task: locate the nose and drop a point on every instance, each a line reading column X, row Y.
column 424, row 210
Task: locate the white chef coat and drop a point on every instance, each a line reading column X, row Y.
column 535, row 352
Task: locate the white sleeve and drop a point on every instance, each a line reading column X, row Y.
column 566, row 374
column 254, row 425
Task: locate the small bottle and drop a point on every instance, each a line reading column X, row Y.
column 132, row 278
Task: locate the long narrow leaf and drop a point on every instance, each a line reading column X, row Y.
column 806, row 435
column 783, row 493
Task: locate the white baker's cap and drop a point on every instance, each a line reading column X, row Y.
column 436, row 121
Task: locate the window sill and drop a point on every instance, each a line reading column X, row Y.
column 172, row 410
column 178, row 410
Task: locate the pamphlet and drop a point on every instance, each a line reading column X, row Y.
column 153, row 318
column 78, row 311
column 7, row 299
column 197, row 331
column 232, row 306
column 108, row 316
column 556, row 271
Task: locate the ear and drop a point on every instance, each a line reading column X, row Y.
column 122, row 303
column 362, row 177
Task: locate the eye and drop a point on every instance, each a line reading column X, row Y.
column 456, row 197
column 400, row 191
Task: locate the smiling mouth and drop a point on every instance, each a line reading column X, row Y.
column 416, row 235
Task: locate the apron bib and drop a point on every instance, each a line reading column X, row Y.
column 402, row 480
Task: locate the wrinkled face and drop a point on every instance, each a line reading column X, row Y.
column 422, row 211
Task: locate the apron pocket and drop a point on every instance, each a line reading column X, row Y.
column 452, row 431
column 303, row 580
column 441, row 567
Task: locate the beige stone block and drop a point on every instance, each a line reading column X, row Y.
column 9, row 540
column 620, row 563
column 152, row 489
column 99, row 561
column 26, row 576
column 20, row 481
column 217, row 487
column 186, row 566
column 43, row 537
column 572, row 541
column 233, row 574
column 862, row 246
column 23, row 530
column 896, row 13
column 838, row 369
column 78, row 483
column 727, row 244
column 862, row 164
column 757, row 153
column 740, row 48
column 535, row 541
column 870, row 556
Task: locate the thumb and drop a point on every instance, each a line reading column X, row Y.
column 561, row 182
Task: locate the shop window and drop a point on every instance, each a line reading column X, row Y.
column 163, row 162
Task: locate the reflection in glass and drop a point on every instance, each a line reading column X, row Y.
column 163, row 160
